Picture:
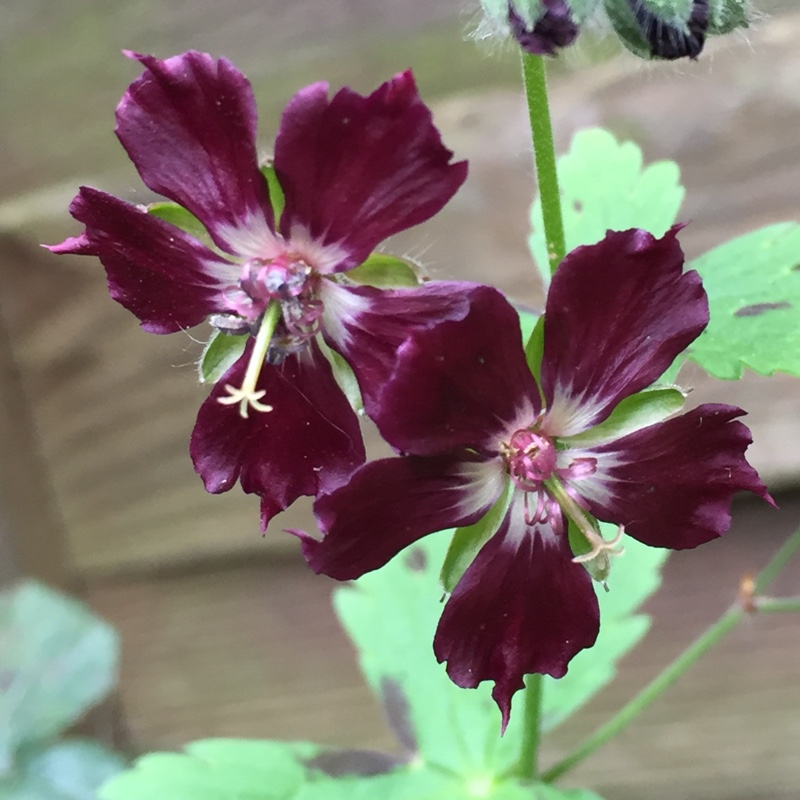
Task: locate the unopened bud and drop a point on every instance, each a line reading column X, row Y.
column 540, row 27
column 672, row 29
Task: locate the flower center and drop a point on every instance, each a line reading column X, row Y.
column 277, row 302
column 532, row 460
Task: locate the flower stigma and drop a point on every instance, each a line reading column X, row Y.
column 247, row 396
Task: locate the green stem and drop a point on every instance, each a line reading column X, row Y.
column 531, row 733
column 533, row 75
column 671, row 673
column 771, row 605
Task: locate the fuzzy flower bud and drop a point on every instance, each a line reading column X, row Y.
column 672, row 29
column 652, row 29
column 540, row 27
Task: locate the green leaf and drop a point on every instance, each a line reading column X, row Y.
column 635, row 575
column 753, row 286
column 468, row 540
column 70, row 770
column 181, row 218
column 220, row 353
column 391, row 616
column 276, row 195
column 605, row 185
column 216, row 769
column 56, row 661
column 632, row 414
column 385, row 272
column 420, row 783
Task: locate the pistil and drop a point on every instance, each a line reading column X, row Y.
column 600, row 549
column 247, row 396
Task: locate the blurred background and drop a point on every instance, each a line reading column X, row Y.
column 225, row 633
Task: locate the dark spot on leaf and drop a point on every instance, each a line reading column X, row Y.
column 416, row 559
column 397, row 711
column 796, row 267
column 759, row 308
column 337, row 763
column 578, row 206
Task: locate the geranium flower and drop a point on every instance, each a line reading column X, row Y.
column 476, row 429
column 353, row 170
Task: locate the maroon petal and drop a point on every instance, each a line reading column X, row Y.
column 356, row 170
column 309, row 443
column 672, row 484
column 461, row 383
column 618, row 313
column 368, row 325
column 168, row 279
column 389, row 504
column 522, row 606
column 189, row 125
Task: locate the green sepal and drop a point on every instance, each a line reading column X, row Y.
column 632, row 414
column 344, row 376
column 598, row 568
column 468, row 540
column 181, row 218
column 527, row 320
column 534, row 351
column 276, row 196
column 725, row 16
column 220, row 353
column 386, row 272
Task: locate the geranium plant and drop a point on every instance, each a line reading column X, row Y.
column 544, row 465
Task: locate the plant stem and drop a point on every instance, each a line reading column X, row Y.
column 533, row 76
column 544, row 153
column 671, row 673
column 772, row 605
column 531, row 732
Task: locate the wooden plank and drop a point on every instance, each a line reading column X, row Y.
column 255, row 651
column 31, row 527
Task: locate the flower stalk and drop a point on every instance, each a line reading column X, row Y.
column 529, row 749
column 730, row 618
column 534, row 79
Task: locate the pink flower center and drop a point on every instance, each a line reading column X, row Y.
column 531, row 459
column 287, row 280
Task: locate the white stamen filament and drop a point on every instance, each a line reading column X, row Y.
column 247, row 397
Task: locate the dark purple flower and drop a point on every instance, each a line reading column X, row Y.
column 555, row 28
column 353, row 170
column 474, row 427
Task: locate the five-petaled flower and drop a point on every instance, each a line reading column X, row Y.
column 476, row 429
column 353, row 170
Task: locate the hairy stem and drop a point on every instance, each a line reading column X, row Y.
column 533, row 75
column 531, row 734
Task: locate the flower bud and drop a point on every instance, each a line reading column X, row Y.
column 540, row 27
column 550, row 31
column 672, row 29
